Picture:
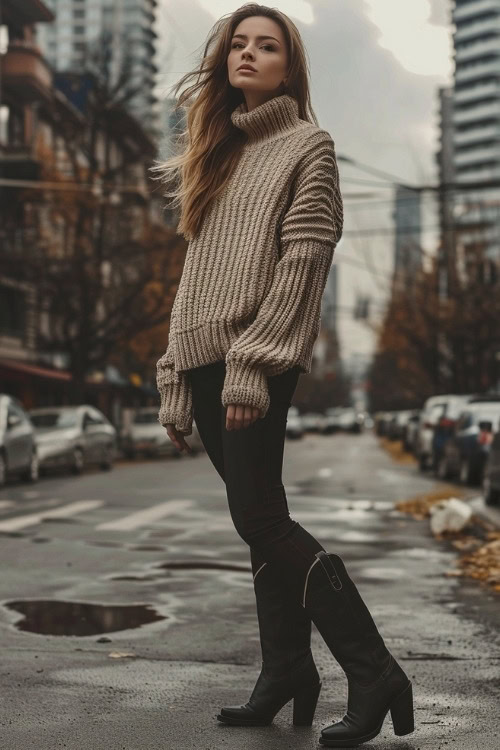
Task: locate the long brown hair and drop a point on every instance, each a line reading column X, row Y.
column 210, row 145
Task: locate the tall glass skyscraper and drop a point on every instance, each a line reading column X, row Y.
column 475, row 122
column 130, row 28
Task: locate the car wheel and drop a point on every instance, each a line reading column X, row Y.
column 107, row 464
column 3, row 470
column 32, row 473
column 78, row 462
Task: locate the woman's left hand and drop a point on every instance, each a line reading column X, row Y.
column 240, row 415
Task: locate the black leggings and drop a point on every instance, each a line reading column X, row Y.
column 249, row 461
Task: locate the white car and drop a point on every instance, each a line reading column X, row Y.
column 73, row 437
column 143, row 434
column 18, row 450
column 433, row 410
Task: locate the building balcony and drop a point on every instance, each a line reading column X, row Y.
column 479, row 49
column 473, row 93
column 480, row 70
column 477, row 156
column 487, row 132
column 475, row 29
column 470, row 10
column 26, row 12
column 489, row 111
column 24, row 71
column 19, row 162
column 481, row 174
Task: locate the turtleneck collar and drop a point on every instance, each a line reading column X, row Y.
column 268, row 120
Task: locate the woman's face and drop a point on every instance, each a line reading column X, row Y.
column 259, row 42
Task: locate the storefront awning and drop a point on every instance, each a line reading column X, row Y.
column 36, row 370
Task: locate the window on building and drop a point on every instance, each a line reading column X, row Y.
column 12, row 311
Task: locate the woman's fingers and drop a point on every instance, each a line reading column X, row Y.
column 239, row 416
column 177, row 438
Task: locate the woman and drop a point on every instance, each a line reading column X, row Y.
column 261, row 207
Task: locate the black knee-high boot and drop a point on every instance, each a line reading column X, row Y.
column 288, row 669
column 376, row 682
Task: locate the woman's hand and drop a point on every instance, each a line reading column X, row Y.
column 177, row 438
column 240, row 415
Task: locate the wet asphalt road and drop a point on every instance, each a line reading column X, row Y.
column 120, row 541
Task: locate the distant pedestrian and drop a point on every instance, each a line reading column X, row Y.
column 262, row 210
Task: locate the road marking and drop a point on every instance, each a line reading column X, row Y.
column 30, row 519
column 325, row 472
column 146, row 516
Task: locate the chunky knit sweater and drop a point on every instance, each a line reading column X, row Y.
column 254, row 275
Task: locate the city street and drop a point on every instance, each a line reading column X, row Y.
column 128, row 614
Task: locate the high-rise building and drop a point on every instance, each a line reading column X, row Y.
column 407, row 239
column 475, row 123
column 129, row 29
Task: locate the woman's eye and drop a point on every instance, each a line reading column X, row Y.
column 264, row 46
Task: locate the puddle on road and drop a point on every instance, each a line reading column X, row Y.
column 204, row 565
column 133, row 578
column 423, row 656
column 52, row 617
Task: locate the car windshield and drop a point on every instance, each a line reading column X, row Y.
column 66, row 418
column 145, row 417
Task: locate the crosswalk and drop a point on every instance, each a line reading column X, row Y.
column 184, row 511
column 65, row 511
column 128, row 522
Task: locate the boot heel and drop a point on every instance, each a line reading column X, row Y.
column 304, row 705
column 402, row 712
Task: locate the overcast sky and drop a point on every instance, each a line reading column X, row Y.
column 376, row 66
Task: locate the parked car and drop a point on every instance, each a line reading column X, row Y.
column 434, row 408
column 72, row 437
column 411, row 432
column 294, row 427
column 330, row 423
column 466, row 452
column 491, row 478
column 369, row 422
column 349, row 420
column 397, row 425
column 144, row 435
column 313, row 421
column 18, row 449
column 382, row 422
column 445, row 427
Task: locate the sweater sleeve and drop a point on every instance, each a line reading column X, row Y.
column 288, row 317
column 175, row 393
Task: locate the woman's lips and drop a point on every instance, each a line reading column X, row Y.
column 246, row 70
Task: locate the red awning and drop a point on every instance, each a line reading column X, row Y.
column 29, row 369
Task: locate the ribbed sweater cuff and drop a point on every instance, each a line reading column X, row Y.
column 245, row 384
column 176, row 399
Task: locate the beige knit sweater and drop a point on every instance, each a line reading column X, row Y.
column 254, row 276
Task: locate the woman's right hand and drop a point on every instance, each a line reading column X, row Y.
column 177, row 438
